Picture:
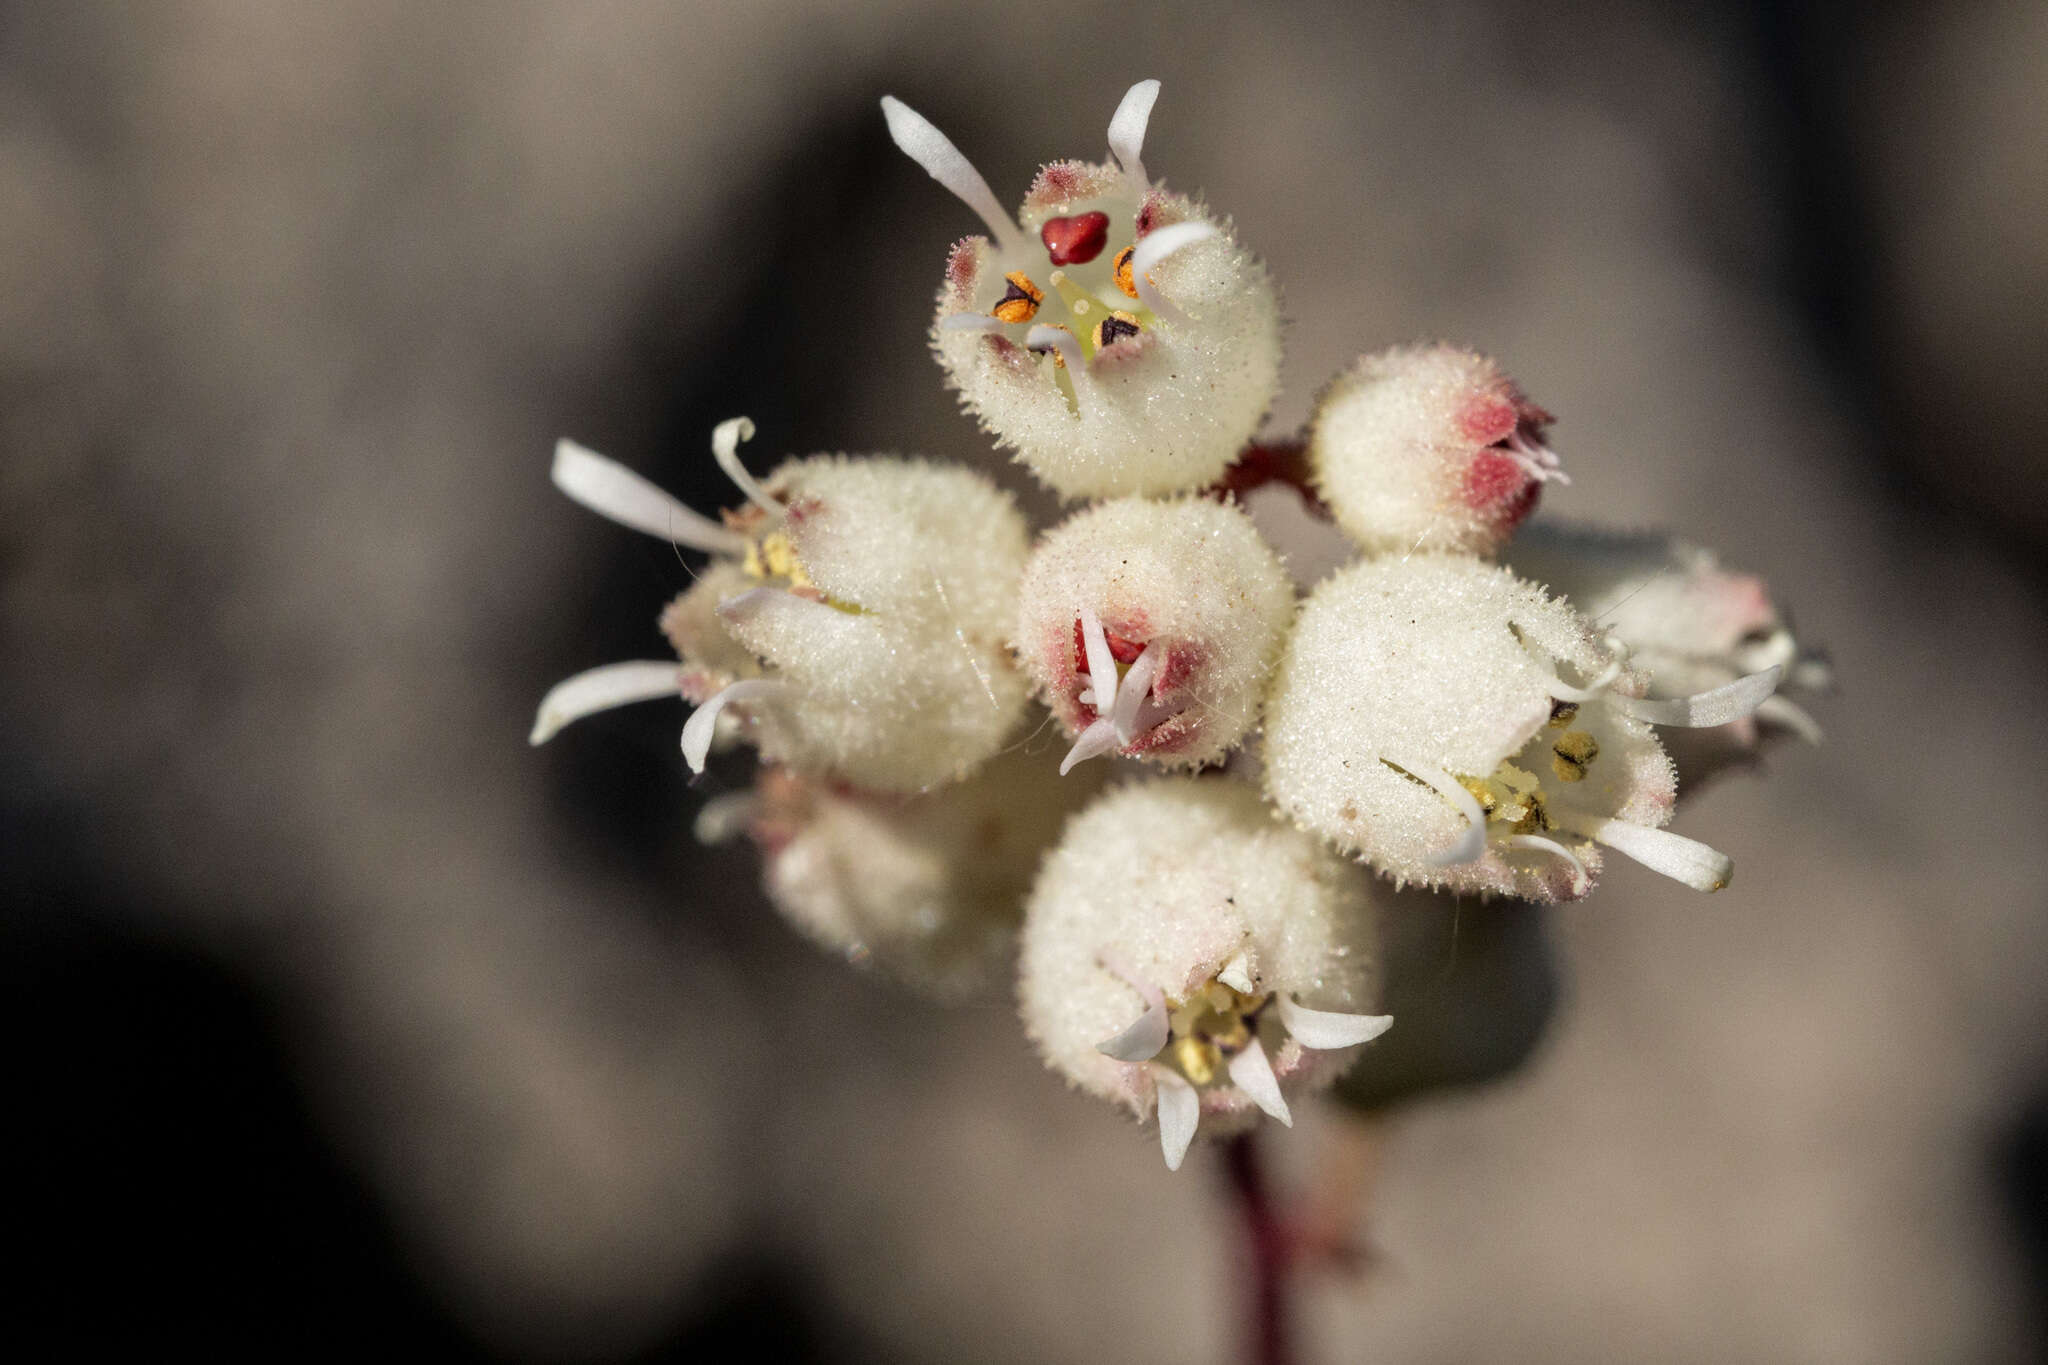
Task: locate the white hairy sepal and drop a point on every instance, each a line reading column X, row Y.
column 929, row 889
column 1687, row 621
column 889, row 702
column 1160, row 411
column 1173, row 880
column 1430, row 448
column 904, row 537
column 711, row 658
column 1193, row 580
column 1402, row 672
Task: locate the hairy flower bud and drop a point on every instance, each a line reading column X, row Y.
column 1428, row 447
column 852, row 624
column 1417, row 719
column 1120, row 341
column 1150, row 628
column 1186, row 953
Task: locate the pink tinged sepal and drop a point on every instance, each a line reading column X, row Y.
column 1716, row 706
column 1180, row 1113
column 702, row 726
column 1683, row 860
column 600, row 689
column 615, row 492
column 1253, row 1074
column 1329, row 1029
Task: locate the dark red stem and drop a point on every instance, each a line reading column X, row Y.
column 1267, row 1244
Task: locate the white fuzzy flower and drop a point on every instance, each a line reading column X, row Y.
column 929, row 888
column 1418, row 719
column 1120, row 341
column 1150, row 628
column 1428, row 447
column 1686, row 621
column 853, row 624
column 1186, row 953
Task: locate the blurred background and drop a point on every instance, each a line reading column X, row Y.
column 343, row 1021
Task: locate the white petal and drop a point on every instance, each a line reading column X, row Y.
column 1237, row 973
column 1101, row 663
column 1180, row 1113
column 1677, row 857
column 1717, row 706
column 1133, row 690
column 725, row 817
column 1595, row 687
column 1253, row 1074
column 702, row 725
column 1581, row 879
column 725, row 448
column 933, row 150
column 1791, row 715
column 1142, row 1040
column 1156, row 248
column 1099, row 738
column 970, row 322
column 1472, row 842
column 600, row 689
column 1326, row 1029
column 1045, row 338
column 1127, row 130
column 611, row 490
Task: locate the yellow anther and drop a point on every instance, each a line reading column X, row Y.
column 1020, row 301
column 1573, row 753
column 773, row 557
column 1563, row 713
column 1121, row 268
column 1197, row 1059
column 1115, row 327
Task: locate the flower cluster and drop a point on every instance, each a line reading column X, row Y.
column 1196, row 944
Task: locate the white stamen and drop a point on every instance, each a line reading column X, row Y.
column 1326, row 1029
column 1180, row 1113
column 1133, row 690
column 970, row 322
column 615, row 492
column 600, row 689
column 1237, row 973
column 725, row 818
column 1582, row 880
column 1790, row 714
column 1101, row 663
column 1099, row 738
column 928, row 147
column 725, row 447
column 1157, row 247
column 1253, row 1074
column 1127, row 131
column 1677, row 857
column 1472, row 842
column 1044, row 338
column 702, row 725
column 1716, row 706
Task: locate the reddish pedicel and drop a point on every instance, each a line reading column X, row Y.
column 1077, row 240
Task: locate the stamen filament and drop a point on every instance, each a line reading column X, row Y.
column 915, row 136
column 616, row 493
column 600, row 689
column 702, row 726
column 725, row 448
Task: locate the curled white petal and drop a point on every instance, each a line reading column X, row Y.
column 1790, row 714
column 1101, row 663
column 1045, row 338
column 1156, row 248
column 1142, row 1040
column 1127, row 131
column 1472, row 842
column 1098, row 739
column 923, row 143
column 1596, row 686
column 1237, row 974
column 1684, row 860
column 702, row 725
column 1716, row 706
column 615, row 492
column 1180, row 1113
column 1253, row 1074
column 725, row 448
column 600, row 689
column 1581, row 879
column 1326, row 1029
column 1132, row 692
